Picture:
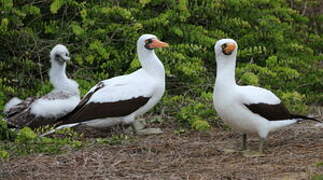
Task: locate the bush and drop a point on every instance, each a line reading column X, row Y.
column 279, row 48
column 27, row 141
column 5, row 132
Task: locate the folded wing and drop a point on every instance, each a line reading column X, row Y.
column 111, row 98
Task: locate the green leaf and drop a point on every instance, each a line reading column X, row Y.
column 319, row 164
column 29, row 9
column 317, row 177
column 7, row 4
column 77, row 30
column 25, row 135
column 144, row 2
column 56, row 5
column 4, row 154
column 135, row 64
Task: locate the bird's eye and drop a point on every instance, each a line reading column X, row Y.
column 66, row 54
column 148, row 41
column 224, row 46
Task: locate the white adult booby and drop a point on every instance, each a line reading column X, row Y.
column 121, row 99
column 248, row 109
column 35, row 112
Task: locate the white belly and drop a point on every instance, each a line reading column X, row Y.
column 104, row 122
column 158, row 93
column 240, row 119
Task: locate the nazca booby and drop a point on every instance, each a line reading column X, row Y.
column 248, row 109
column 121, row 99
column 35, row 112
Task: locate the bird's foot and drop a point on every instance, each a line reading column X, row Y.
column 248, row 153
column 139, row 125
column 229, row 150
column 149, row 131
column 139, row 128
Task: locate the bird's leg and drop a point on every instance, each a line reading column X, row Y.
column 261, row 144
column 139, row 129
column 244, row 142
column 256, row 153
column 133, row 127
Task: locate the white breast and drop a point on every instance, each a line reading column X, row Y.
column 235, row 114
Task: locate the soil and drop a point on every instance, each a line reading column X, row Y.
column 291, row 153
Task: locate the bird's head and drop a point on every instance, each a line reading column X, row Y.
column 59, row 54
column 149, row 42
column 226, row 47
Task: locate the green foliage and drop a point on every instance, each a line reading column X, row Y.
column 179, row 131
column 5, row 132
column 56, row 5
column 319, row 164
column 249, row 78
column 279, row 48
column 317, row 177
column 294, row 101
column 113, row 140
column 197, row 113
column 4, row 154
column 25, row 135
column 26, row 141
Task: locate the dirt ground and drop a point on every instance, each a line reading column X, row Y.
column 291, row 153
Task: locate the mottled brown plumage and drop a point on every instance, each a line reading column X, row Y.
column 58, row 95
column 20, row 115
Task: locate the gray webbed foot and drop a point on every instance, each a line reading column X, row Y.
column 139, row 128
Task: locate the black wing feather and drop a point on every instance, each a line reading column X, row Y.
column 275, row 112
column 85, row 112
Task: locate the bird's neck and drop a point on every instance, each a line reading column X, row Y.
column 57, row 76
column 225, row 72
column 151, row 63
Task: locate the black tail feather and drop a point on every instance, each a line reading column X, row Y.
column 296, row 116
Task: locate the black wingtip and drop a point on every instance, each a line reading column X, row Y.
column 296, row 116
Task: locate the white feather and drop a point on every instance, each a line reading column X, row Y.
column 54, row 108
column 275, row 125
column 125, row 87
column 11, row 103
column 229, row 98
column 58, row 107
column 149, row 81
column 254, row 95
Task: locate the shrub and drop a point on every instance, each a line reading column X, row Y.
column 27, row 141
column 280, row 48
column 5, row 132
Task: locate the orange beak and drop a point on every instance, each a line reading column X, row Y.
column 158, row 44
column 230, row 47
